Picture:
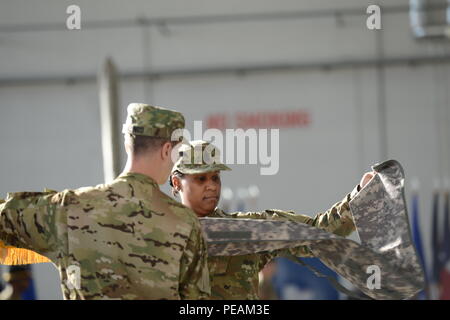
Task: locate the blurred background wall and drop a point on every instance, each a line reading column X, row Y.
column 370, row 95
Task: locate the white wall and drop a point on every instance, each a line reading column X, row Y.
column 50, row 135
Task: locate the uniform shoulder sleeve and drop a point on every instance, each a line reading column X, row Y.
column 35, row 221
column 194, row 273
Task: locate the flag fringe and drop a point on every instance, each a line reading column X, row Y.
column 12, row 256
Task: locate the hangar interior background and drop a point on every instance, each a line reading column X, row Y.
column 370, row 95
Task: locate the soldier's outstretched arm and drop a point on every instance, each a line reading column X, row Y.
column 338, row 219
column 35, row 221
column 194, row 273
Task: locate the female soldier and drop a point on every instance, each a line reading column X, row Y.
column 196, row 179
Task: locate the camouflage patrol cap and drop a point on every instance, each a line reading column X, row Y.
column 199, row 157
column 146, row 120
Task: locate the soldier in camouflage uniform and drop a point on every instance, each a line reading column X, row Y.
column 198, row 184
column 125, row 239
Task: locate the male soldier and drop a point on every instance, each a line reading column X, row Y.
column 122, row 240
column 198, row 184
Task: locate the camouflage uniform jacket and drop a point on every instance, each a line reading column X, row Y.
column 127, row 239
column 236, row 277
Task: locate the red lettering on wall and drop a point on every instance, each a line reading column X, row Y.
column 277, row 119
column 218, row 121
column 260, row 119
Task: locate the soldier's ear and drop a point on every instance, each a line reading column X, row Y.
column 127, row 145
column 166, row 150
column 175, row 183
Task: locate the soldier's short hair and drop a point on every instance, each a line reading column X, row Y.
column 142, row 144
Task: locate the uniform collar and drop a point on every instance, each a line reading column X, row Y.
column 217, row 213
column 142, row 178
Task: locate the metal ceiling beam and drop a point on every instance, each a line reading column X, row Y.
column 243, row 70
column 206, row 19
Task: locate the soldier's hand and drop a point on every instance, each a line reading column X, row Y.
column 366, row 178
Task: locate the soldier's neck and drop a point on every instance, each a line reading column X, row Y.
column 137, row 165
